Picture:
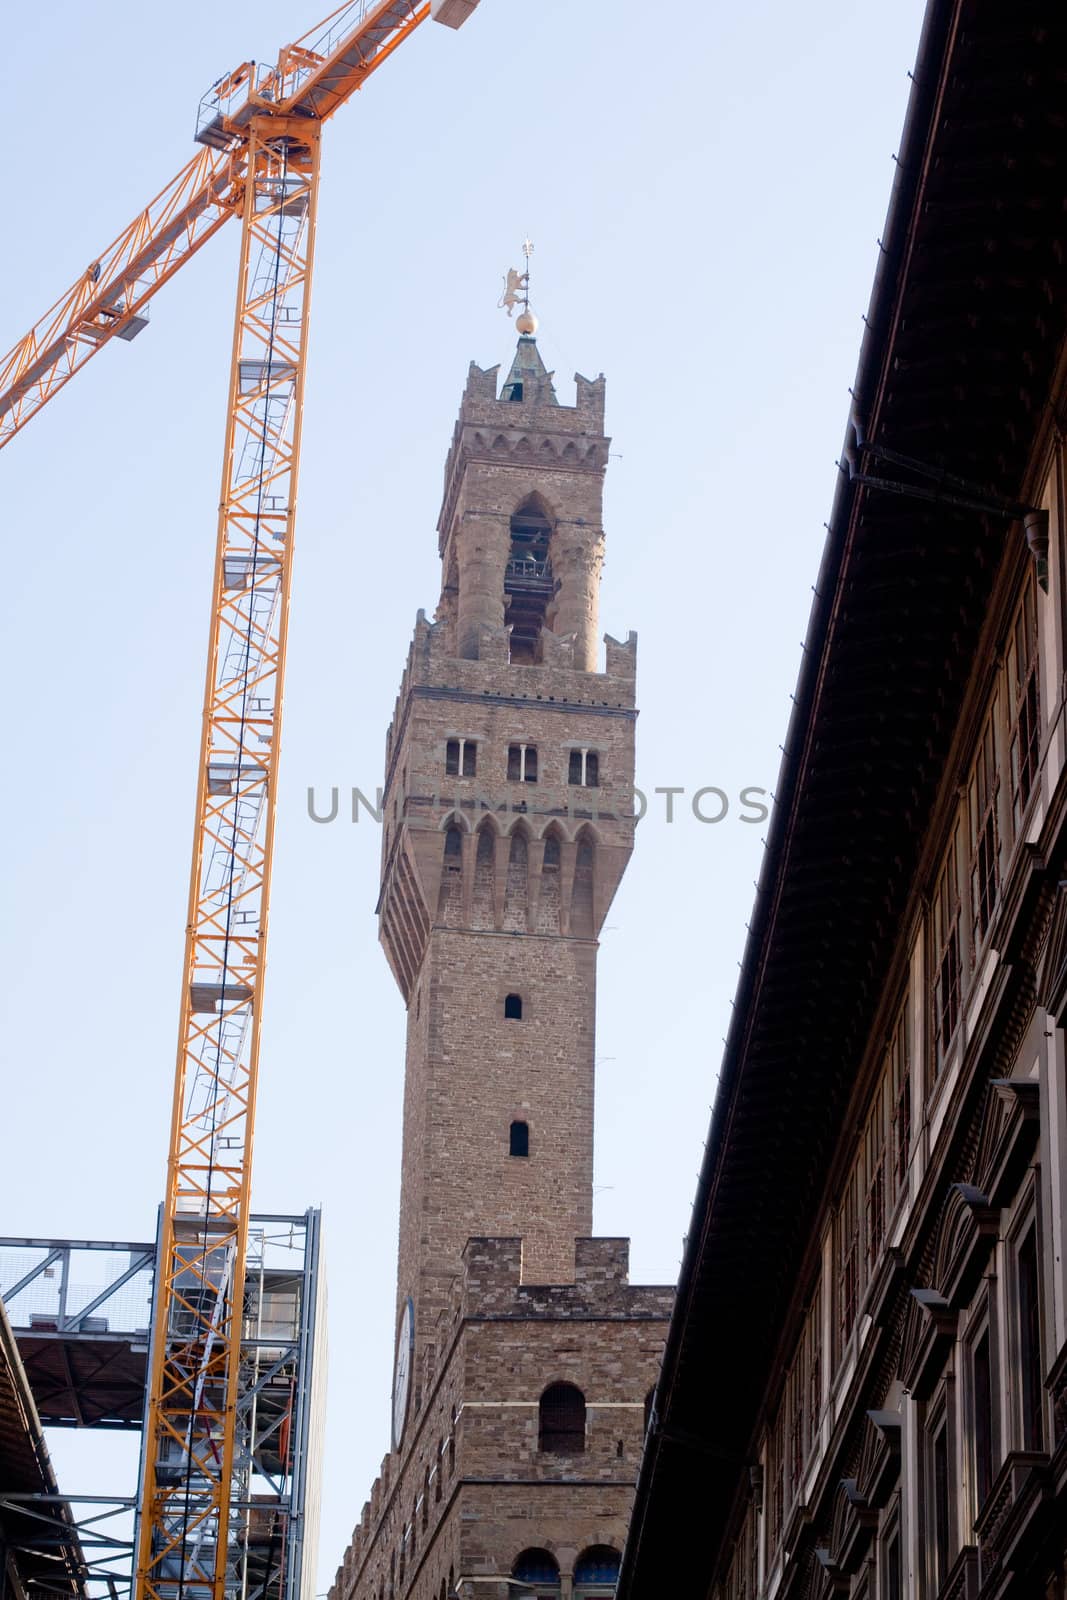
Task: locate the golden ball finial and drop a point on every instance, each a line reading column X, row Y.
column 526, row 322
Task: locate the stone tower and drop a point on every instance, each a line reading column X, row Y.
column 524, row 1358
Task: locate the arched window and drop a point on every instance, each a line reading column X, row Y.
column 561, row 1420
column 513, row 1006
column 582, row 890
column 539, row 1569
column 650, row 1400
column 520, row 1139
column 528, row 581
column 596, row 1572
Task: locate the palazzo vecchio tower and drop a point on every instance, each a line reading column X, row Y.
column 525, row 1361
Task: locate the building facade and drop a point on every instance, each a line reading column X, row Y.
column 525, row 1359
column 864, row 1389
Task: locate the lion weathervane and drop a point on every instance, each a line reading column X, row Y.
column 517, row 292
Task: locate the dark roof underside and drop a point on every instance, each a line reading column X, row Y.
column 39, row 1538
column 966, row 323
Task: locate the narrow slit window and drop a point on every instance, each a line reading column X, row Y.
column 513, row 1007
column 519, row 1139
column 522, row 763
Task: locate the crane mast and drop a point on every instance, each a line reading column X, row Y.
column 260, row 131
column 197, row 1460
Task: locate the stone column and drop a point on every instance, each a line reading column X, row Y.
column 482, row 544
column 577, row 555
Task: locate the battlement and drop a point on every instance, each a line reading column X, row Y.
column 432, row 664
column 492, row 1284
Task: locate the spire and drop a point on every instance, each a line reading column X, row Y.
column 529, row 379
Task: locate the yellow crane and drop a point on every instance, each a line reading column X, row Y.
column 259, row 130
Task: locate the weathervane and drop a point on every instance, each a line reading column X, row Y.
column 517, row 292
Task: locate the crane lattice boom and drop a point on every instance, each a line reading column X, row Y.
column 260, row 130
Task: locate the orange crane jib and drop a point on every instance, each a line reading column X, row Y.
column 259, row 130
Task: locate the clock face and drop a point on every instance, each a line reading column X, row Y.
column 405, row 1351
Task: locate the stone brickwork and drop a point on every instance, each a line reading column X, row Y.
column 471, row 1490
column 508, row 823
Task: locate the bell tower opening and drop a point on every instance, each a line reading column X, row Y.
column 528, row 585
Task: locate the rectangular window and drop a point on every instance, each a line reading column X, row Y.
column 776, row 1484
column 900, row 1085
column 940, row 1505
column 892, row 1585
column 798, row 1427
column 874, row 1141
column 583, row 768
column 847, row 1259
column 522, row 763
column 814, row 1371
column 946, row 943
column 1030, row 1372
column 982, row 1384
column 1024, row 731
column 804, row 1397
column 982, row 794
column 461, row 758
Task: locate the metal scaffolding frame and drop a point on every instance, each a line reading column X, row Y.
column 81, row 1310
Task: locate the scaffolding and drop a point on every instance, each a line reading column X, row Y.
column 81, row 1312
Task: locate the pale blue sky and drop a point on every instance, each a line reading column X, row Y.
column 705, row 184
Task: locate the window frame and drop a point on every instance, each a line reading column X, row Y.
column 1026, row 1224
column 464, row 748
column 983, row 1471
column 891, row 1534
column 523, row 758
column 983, row 833
column 1022, row 692
column 588, row 761
column 848, row 1281
column 939, row 1424
column 946, row 939
column 558, row 1433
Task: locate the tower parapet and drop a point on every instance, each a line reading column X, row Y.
column 521, row 530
